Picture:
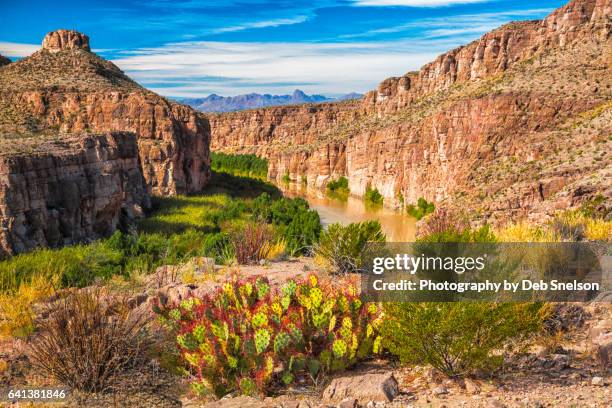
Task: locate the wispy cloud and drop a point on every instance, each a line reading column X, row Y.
column 16, row 50
column 200, row 68
column 459, row 26
column 262, row 24
column 415, row 3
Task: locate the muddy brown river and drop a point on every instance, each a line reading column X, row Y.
column 397, row 226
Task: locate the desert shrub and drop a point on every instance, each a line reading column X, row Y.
column 250, row 241
column 88, row 340
column 595, row 208
column 295, row 222
column 239, row 164
column 373, row 196
column 250, row 337
column 339, row 187
column 525, row 232
column 446, row 226
column 421, row 209
column 576, row 226
column 457, row 338
column 341, row 247
column 274, row 251
column 16, row 313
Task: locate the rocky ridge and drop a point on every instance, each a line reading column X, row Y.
column 514, row 124
column 216, row 103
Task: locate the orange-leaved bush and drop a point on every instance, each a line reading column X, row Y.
column 249, row 336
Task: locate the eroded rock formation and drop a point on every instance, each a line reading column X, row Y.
column 66, row 88
column 63, row 190
column 82, row 146
column 513, row 124
column 58, row 40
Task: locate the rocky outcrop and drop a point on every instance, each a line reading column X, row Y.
column 377, row 387
column 4, row 60
column 511, row 125
column 60, row 191
column 64, row 87
column 56, row 41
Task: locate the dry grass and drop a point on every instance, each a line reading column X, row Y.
column 525, row 232
column 17, row 317
column 88, row 340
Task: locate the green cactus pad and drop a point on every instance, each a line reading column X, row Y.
column 262, row 340
column 339, row 348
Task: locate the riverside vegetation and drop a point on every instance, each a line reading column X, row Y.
column 252, row 337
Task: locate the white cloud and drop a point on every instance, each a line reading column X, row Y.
column 414, row 3
column 201, row 68
column 458, row 26
column 262, row 24
column 10, row 49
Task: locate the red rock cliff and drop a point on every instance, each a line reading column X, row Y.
column 63, row 190
column 512, row 124
column 66, row 88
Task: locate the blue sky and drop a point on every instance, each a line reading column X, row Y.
column 230, row 47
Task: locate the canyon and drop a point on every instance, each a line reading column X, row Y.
column 83, row 147
column 514, row 125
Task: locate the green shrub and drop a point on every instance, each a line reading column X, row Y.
column 249, row 337
column 239, row 164
column 341, row 247
column 420, row 210
column 286, row 178
column 340, row 185
column 296, row 223
column 372, row 196
column 457, row 338
column 446, row 226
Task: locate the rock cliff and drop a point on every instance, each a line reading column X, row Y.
column 514, row 124
column 82, row 146
column 56, row 191
column 66, row 88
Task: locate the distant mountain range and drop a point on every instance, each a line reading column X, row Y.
column 216, row 103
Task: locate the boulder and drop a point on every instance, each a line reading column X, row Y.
column 603, row 350
column 377, row 387
column 601, row 327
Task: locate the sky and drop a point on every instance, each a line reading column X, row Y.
column 193, row 48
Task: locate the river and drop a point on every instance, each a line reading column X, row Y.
column 397, row 226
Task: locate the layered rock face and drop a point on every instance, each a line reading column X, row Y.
column 514, row 124
column 82, row 146
column 66, row 88
column 63, row 190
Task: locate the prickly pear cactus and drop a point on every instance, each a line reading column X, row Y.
column 262, row 340
column 248, row 335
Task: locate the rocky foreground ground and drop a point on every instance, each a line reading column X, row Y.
column 568, row 370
